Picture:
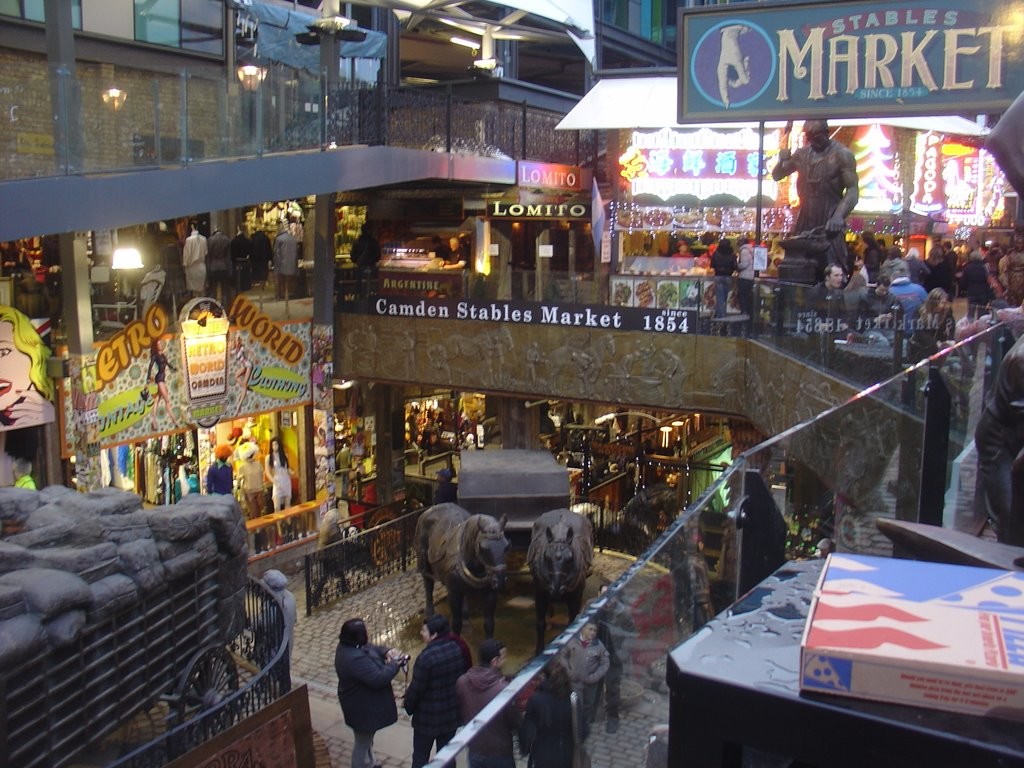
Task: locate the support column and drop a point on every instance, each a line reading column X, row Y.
column 388, row 413
column 520, row 426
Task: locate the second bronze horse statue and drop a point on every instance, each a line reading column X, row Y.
column 560, row 556
column 463, row 552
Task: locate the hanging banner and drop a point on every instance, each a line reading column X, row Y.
column 821, row 60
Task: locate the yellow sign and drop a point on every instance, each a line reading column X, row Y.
column 124, row 409
column 33, row 144
column 279, row 383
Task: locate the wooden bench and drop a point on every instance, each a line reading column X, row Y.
column 268, row 532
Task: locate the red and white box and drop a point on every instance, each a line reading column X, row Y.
column 930, row 635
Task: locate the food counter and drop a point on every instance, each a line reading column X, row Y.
column 416, row 272
column 662, row 282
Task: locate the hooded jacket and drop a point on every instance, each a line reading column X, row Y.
column 474, row 690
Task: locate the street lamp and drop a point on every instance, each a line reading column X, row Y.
column 250, row 76
column 114, row 98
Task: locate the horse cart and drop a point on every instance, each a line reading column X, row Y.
column 516, row 483
column 108, row 610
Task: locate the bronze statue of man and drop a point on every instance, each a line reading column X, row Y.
column 827, row 185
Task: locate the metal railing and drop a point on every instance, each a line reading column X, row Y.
column 359, row 560
column 261, row 643
column 857, row 463
column 69, row 125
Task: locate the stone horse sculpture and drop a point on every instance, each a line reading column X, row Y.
column 465, row 553
column 560, row 557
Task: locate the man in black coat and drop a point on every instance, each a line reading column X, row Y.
column 430, row 697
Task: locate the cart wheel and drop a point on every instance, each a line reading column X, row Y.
column 209, row 677
column 383, row 544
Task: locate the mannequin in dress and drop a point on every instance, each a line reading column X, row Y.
column 194, row 260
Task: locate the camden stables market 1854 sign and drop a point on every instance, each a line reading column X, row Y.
column 756, row 61
column 682, row 321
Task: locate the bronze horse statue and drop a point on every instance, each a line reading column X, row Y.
column 652, row 509
column 560, row 557
column 465, row 553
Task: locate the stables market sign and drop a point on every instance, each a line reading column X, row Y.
column 680, row 321
column 820, row 60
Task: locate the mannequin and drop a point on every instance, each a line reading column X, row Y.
column 194, row 259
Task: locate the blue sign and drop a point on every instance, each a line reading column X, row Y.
column 746, row 61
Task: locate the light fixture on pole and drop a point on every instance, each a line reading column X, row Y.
column 250, row 76
column 114, row 98
column 486, row 62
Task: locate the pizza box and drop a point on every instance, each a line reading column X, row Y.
column 946, row 637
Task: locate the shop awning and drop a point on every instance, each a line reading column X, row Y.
column 650, row 102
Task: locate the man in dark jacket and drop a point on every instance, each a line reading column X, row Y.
column 430, row 697
column 492, row 746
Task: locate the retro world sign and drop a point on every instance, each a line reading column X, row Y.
column 878, row 59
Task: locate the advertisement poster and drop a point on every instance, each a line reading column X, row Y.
column 146, row 382
column 26, row 391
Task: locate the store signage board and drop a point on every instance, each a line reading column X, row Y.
column 549, row 176
column 701, row 163
column 503, row 209
column 255, row 366
column 204, row 352
column 769, row 61
column 653, row 319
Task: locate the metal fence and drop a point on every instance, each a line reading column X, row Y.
column 360, row 560
column 261, row 644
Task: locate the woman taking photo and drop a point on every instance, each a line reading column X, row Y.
column 365, row 673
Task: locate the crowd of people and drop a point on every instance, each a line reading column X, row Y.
column 892, row 292
column 445, row 690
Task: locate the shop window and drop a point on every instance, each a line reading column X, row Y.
column 202, row 26
column 158, row 22
column 34, row 10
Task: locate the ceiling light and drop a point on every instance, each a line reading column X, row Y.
column 464, row 42
column 126, row 258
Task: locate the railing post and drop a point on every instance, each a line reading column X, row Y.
column 183, row 119
column 522, row 155
column 448, row 118
column 934, row 450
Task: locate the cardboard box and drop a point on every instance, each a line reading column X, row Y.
column 931, row 635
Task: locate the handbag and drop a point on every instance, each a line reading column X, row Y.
column 580, row 756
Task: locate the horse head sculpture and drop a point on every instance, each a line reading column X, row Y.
column 483, row 547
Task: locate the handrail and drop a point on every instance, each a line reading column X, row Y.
column 268, row 684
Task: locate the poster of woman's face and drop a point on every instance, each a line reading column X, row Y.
column 25, row 389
